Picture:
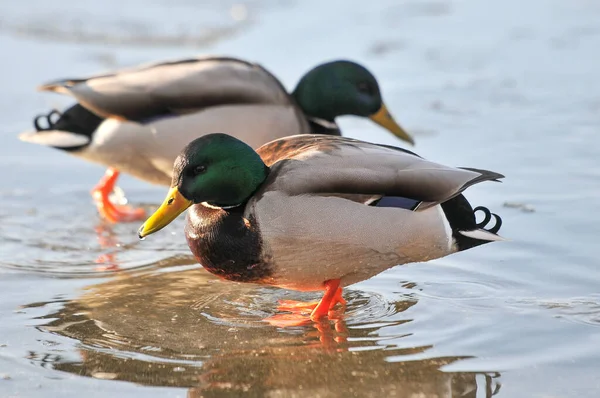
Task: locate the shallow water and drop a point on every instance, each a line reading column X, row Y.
column 513, row 87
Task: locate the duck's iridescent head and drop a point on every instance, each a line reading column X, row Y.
column 215, row 170
column 345, row 88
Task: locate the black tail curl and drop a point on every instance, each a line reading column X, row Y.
column 50, row 120
column 487, row 218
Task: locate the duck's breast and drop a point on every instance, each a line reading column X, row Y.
column 227, row 244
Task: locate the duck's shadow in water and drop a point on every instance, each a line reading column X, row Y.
column 185, row 328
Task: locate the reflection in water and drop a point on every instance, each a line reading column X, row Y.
column 107, row 240
column 180, row 326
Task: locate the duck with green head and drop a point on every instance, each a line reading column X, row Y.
column 155, row 110
column 318, row 212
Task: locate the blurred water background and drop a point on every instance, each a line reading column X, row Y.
column 508, row 86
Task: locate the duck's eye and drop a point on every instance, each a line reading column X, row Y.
column 365, row 88
column 199, row 169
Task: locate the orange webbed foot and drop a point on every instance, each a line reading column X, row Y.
column 108, row 210
column 299, row 310
column 288, row 320
column 297, row 307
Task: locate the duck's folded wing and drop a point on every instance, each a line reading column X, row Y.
column 176, row 87
column 336, row 165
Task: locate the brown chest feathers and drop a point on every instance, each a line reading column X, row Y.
column 227, row 244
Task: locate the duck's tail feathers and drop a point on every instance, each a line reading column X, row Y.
column 466, row 231
column 484, row 233
column 60, row 86
column 486, row 175
column 487, row 218
column 56, row 138
column 69, row 130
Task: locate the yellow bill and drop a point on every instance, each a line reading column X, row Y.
column 383, row 118
column 174, row 205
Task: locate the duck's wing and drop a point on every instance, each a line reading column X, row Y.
column 174, row 88
column 329, row 165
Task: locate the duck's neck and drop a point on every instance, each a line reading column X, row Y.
column 310, row 100
column 321, row 126
column 320, row 118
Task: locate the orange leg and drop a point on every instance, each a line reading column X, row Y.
column 337, row 298
column 329, row 299
column 108, row 210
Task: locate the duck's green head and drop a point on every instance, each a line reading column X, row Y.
column 345, row 88
column 216, row 170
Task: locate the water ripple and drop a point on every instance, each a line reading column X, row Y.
column 69, row 240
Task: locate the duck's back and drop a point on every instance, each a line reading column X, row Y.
column 337, row 208
column 174, row 88
column 156, row 110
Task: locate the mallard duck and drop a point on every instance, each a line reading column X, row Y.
column 318, row 212
column 137, row 120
